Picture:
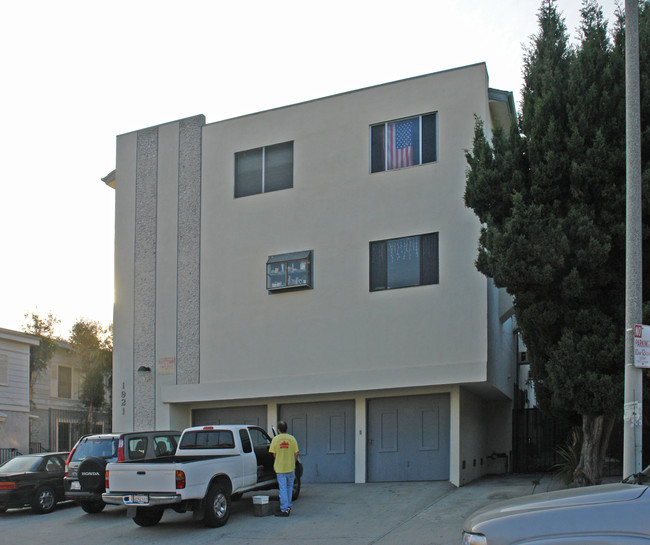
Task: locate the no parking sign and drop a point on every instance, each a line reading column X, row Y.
column 642, row 346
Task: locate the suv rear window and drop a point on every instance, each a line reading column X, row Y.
column 105, row 447
column 208, row 439
column 137, row 448
column 165, row 445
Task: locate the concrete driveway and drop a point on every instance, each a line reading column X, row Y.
column 422, row 513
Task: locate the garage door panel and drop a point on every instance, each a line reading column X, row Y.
column 388, row 439
column 253, row 415
column 325, row 435
column 430, row 429
column 337, row 434
column 298, row 426
column 408, row 438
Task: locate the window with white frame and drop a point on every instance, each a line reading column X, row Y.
column 65, row 382
column 404, row 143
column 262, row 170
column 404, row 262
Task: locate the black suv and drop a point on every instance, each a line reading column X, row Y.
column 85, row 469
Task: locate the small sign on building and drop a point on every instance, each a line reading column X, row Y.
column 642, row 346
column 166, row 366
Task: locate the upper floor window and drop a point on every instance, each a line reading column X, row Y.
column 404, row 262
column 288, row 271
column 65, row 382
column 261, row 170
column 403, row 143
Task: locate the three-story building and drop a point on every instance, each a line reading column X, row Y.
column 315, row 263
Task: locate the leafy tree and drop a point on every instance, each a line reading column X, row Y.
column 551, row 197
column 94, row 347
column 41, row 355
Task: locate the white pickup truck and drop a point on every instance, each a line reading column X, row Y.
column 211, row 466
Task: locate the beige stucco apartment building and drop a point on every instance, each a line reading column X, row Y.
column 315, row 263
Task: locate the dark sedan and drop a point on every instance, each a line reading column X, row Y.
column 33, row 479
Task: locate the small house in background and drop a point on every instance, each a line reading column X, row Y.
column 14, row 392
column 62, row 417
column 54, row 418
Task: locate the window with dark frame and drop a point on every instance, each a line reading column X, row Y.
column 64, row 389
column 137, row 447
column 404, row 143
column 265, row 169
column 216, row 439
column 289, row 271
column 54, row 465
column 63, row 436
column 246, row 444
column 404, row 262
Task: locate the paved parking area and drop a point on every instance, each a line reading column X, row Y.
column 426, row 513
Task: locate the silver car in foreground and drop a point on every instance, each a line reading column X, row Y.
column 612, row 514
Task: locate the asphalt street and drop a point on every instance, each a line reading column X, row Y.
column 421, row 513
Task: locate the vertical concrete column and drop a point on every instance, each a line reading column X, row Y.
column 271, row 417
column 146, row 194
column 454, row 439
column 633, row 408
column 189, row 246
column 166, row 267
column 360, row 440
column 180, row 417
column 123, row 362
column 157, row 291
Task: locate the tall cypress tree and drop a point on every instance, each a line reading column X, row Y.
column 554, row 221
column 585, row 367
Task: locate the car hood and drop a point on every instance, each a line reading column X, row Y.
column 607, row 493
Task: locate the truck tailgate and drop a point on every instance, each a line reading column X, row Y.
column 129, row 477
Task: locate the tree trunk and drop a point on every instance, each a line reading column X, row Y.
column 91, row 419
column 596, row 431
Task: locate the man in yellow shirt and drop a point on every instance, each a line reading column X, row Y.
column 284, row 448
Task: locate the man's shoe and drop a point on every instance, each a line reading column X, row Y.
column 282, row 514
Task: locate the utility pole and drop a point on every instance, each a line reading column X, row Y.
column 633, row 409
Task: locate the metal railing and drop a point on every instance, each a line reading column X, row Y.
column 66, row 426
column 37, row 448
column 7, row 454
column 536, row 437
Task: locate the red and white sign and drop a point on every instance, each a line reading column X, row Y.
column 642, row 346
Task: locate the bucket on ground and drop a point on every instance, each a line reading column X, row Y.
column 261, row 506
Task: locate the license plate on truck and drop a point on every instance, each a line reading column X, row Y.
column 140, row 498
column 74, row 485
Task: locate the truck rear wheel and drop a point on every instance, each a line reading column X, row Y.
column 147, row 517
column 217, row 506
